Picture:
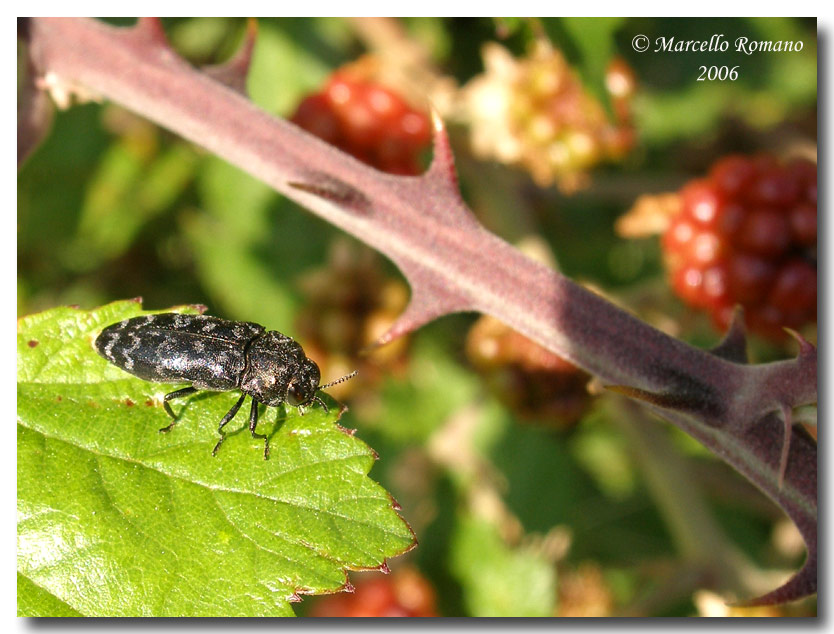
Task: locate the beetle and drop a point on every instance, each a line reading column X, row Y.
column 217, row 355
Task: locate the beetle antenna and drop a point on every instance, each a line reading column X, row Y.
column 337, row 381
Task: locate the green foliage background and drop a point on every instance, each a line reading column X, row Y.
column 110, row 207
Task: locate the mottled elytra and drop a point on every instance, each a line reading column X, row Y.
column 218, row 355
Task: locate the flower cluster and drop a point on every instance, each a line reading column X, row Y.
column 536, row 112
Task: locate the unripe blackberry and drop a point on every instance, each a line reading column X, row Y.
column 349, row 304
column 533, row 382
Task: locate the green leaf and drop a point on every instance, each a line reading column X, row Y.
column 117, row 519
column 35, row 601
column 498, row 580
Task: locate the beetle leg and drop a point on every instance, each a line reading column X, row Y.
column 253, row 421
column 321, row 402
column 229, row 416
column 168, row 397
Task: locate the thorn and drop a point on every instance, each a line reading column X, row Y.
column 403, row 326
column 443, row 162
column 348, row 587
column 733, row 346
column 441, row 178
column 234, row 71
column 786, row 444
column 423, row 307
column 150, row 29
column 384, row 569
column 383, row 340
column 294, row 598
column 801, row 585
column 806, row 348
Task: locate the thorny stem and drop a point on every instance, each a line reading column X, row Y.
column 453, row 264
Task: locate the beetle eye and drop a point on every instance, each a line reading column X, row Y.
column 296, row 395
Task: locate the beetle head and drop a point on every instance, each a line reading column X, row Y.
column 303, row 385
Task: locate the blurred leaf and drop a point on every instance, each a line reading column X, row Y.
column 286, row 65
column 52, row 184
column 134, row 183
column 437, row 387
column 266, row 242
column 431, row 33
column 594, row 38
column 603, row 452
column 117, row 519
column 198, row 38
column 546, row 486
column 498, row 580
column 509, row 25
column 551, row 481
column 665, row 116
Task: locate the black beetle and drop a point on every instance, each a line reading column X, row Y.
column 215, row 354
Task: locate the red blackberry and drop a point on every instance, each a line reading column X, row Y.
column 747, row 235
column 367, row 120
column 403, row 593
